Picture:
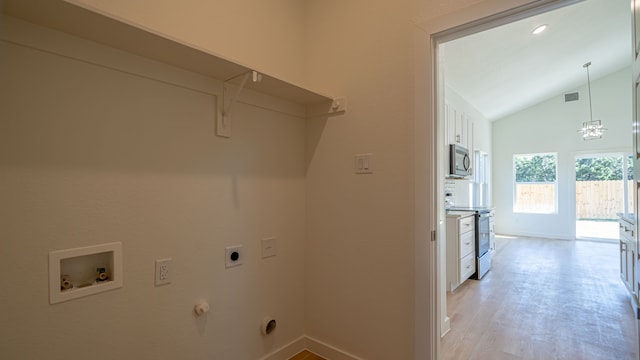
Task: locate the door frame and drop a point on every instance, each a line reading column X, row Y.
column 430, row 155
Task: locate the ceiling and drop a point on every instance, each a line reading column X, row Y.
column 507, row 69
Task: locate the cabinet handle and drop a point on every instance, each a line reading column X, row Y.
column 467, row 243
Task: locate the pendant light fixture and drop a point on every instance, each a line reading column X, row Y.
column 591, row 129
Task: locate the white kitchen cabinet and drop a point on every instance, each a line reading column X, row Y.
column 458, row 128
column 450, row 114
column 627, row 254
column 461, row 253
column 492, row 231
column 466, row 132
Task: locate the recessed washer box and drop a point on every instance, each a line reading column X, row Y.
column 78, row 272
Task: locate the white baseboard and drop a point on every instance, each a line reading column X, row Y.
column 315, row 346
column 446, row 327
column 288, row 351
column 537, row 235
column 327, row 351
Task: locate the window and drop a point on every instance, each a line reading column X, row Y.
column 536, row 182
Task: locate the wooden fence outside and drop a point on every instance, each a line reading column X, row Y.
column 594, row 199
column 535, row 197
column 601, row 199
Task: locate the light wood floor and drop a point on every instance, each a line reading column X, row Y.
column 543, row 299
column 307, row 355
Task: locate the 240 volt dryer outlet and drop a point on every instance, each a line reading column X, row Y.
column 233, row 256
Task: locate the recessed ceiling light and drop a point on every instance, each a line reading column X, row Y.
column 539, row 29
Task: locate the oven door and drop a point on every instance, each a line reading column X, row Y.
column 483, row 233
column 483, row 242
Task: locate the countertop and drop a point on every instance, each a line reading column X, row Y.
column 628, row 217
column 460, row 214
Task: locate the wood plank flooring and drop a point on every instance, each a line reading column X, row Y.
column 543, row 299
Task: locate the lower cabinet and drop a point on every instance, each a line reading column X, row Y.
column 461, row 254
column 627, row 254
column 467, row 267
column 492, row 231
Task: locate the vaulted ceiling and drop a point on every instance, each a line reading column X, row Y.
column 507, row 69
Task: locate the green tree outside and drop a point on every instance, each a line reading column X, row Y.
column 602, row 168
column 535, row 168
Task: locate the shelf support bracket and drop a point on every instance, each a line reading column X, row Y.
column 223, row 125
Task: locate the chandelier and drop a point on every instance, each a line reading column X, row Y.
column 591, row 129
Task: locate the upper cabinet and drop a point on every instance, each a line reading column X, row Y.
column 459, row 127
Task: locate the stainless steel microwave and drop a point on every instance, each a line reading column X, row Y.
column 459, row 161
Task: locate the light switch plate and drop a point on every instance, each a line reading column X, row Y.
column 364, row 164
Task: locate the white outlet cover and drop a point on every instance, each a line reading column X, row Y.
column 163, row 271
column 233, row 256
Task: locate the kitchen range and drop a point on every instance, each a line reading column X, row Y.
column 482, row 236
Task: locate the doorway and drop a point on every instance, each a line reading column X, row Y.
column 602, row 182
column 452, row 34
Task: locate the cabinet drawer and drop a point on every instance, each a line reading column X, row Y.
column 467, row 244
column 467, row 224
column 467, row 266
column 626, row 232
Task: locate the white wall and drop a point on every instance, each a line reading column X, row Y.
column 90, row 154
column 268, row 36
column 359, row 245
column 552, row 126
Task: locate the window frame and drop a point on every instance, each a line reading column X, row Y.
column 627, row 173
column 519, row 210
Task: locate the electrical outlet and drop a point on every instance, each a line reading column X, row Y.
column 233, row 256
column 163, row 271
